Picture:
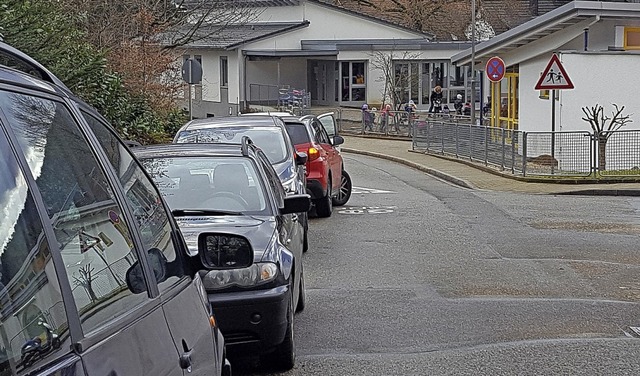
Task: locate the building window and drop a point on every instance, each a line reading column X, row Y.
column 632, row 38
column 224, row 71
column 354, row 87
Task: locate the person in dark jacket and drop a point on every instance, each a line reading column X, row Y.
column 435, row 100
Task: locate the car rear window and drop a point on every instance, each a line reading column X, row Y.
column 298, row 133
column 270, row 139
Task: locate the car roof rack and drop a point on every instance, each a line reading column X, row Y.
column 245, row 142
column 16, row 59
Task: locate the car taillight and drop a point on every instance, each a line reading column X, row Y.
column 312, row 154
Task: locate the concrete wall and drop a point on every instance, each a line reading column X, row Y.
column 597, row 77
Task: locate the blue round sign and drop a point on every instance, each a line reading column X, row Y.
column 495, row 69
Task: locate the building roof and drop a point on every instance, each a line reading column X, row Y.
column 547, row 24
column 372, row 18
column 231, row 36
column 240, row 3
column 415, row 44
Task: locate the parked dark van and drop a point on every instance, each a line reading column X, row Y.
column 94, row 278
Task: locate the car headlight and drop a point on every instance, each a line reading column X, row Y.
column 290, row 186
column 254, row 275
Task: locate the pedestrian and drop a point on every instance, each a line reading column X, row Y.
column 367, row 117
column 435, row 100
column 385, row 113
column 457, row 104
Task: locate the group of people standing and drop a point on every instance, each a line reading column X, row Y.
column 410, row 109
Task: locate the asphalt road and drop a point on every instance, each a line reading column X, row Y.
column 419, row 277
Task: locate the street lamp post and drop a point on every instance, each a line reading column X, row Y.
column 473, row 62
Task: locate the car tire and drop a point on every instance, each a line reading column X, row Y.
column 324, row 205
column 344, row 193
column 284, row 357
column 302, row 296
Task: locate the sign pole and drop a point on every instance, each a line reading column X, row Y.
column 553, row 129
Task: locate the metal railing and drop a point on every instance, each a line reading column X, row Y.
column 562, row 154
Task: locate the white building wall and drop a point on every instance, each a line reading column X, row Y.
column 211, row 74
column 293, row 72
column 235, row 76
column 325, row 23
column 597, row 77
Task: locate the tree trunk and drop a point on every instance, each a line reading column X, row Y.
column 602, row 152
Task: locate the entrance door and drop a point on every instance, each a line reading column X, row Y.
column 323, row 82
column 504, row 102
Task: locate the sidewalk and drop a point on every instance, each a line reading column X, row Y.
column 474, row 176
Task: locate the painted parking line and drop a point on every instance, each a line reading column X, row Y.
column 359, row 210
column 361, row 190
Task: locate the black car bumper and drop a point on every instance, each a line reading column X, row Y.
column 315, row 190
column 252, row 322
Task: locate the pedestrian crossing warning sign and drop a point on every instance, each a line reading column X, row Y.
column 554, row 76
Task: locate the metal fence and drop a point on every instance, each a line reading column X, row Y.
column 564, row 154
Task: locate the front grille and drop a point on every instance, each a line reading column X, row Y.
column 238, row 338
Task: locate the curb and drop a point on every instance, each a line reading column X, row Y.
column 439, row 174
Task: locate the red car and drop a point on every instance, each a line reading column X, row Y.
column 327, row 181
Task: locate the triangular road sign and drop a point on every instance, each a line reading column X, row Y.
column 87, row 241
column 554, row 76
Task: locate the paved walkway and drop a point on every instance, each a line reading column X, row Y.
column 471, row 176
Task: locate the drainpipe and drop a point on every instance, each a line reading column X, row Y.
column 244, row 84
column 586, row 32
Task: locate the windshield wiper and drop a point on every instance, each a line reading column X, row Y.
column 189, row 212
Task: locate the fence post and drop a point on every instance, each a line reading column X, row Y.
column 470, row 142
column 428, row 135
column 513, row 152
column 457, row 141
column 442, row 136
column 486, row 146
column 503, row 146
column 524, row 153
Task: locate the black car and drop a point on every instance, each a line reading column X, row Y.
column 95, row 277
column 234, row 214
column 269, row 134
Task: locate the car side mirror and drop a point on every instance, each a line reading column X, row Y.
column 135, row 275
column 338, row 140
column 224, row 251
column 296, row 204
column 301, row 158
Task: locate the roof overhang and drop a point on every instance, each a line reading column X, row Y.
column 558, row 19
column 381, row 44
column 276, row 54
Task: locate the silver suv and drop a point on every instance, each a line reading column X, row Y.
column 95, row 278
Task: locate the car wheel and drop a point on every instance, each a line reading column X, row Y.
column 345, row 190
column 324, row 205
column 284, row 358
column 302, row 297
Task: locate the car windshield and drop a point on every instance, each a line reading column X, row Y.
column 298, row 133
column 270, row 139
column 224, row 184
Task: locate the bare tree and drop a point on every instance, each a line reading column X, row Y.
column 395, row 82
column 145, row 38
column 604, row 126
column 447, row 19
column 85, row 280
column 179, row 22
